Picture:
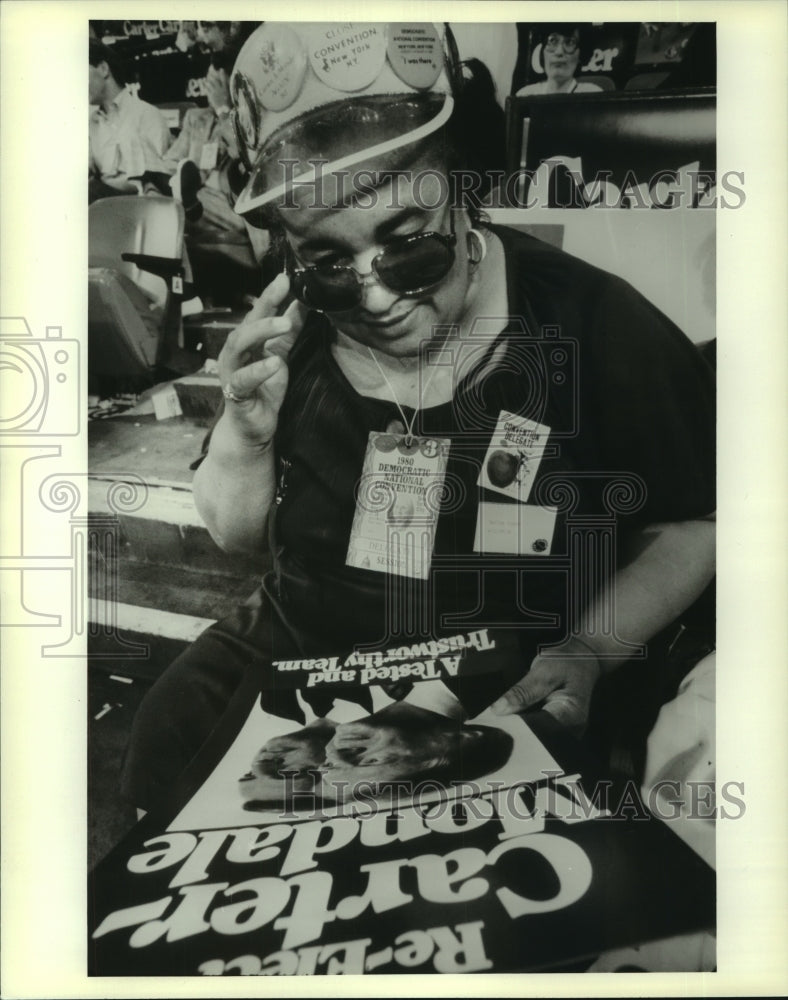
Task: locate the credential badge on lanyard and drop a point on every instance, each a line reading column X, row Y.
column 397, row 503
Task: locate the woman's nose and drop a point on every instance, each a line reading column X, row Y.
column 375, row 297
column 362, row 261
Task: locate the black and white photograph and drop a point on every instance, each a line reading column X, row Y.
column 363, row 455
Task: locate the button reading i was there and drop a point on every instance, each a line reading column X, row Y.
column 415, row 54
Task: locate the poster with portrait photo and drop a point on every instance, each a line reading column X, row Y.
column 348, row 846
column 230, row 788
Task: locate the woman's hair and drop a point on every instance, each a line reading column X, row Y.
column 477, row 127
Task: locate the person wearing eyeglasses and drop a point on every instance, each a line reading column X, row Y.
column 405, row 341
column 563, row 48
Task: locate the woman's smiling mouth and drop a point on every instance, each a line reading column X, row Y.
column 383, row 324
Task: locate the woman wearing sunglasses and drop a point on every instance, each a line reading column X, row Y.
column 405, row 343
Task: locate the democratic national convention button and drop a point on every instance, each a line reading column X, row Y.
column 347, row 57
column 415, row 54
column 283, row 58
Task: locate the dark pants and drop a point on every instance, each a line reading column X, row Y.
column 98, row 189
column 182, row 708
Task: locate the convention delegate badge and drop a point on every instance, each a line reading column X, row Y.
column 397, row 503
column 415, row 54
column 515, row 529
column 283, row 59
column 513, row 456
column 347, row 57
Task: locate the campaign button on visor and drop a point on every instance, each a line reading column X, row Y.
column 415, row 54
column 282, row 66
column 347, row 57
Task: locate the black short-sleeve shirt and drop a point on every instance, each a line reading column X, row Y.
column 630, row 406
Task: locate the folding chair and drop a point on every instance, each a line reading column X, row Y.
column 135, row 283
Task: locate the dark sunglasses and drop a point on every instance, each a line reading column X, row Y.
column 408, row 265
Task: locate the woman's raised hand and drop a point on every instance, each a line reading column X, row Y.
column 254, row 389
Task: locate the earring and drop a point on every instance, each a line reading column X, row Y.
column 482, row 247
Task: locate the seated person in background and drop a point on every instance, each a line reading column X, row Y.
column 564, row 48
column 206, row 137
column 187, row 36
column 128, row 137
column 208, row 174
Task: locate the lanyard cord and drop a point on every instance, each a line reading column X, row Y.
column 408, row 424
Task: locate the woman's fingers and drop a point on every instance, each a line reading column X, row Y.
column 248, row 336
column 259, row 389
column 271, row 299
column 563, row 683
column 246, row 381
column 295, row 314
column 261, row 328
column 255, row 386
column 531, row 689
column 568, row 707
